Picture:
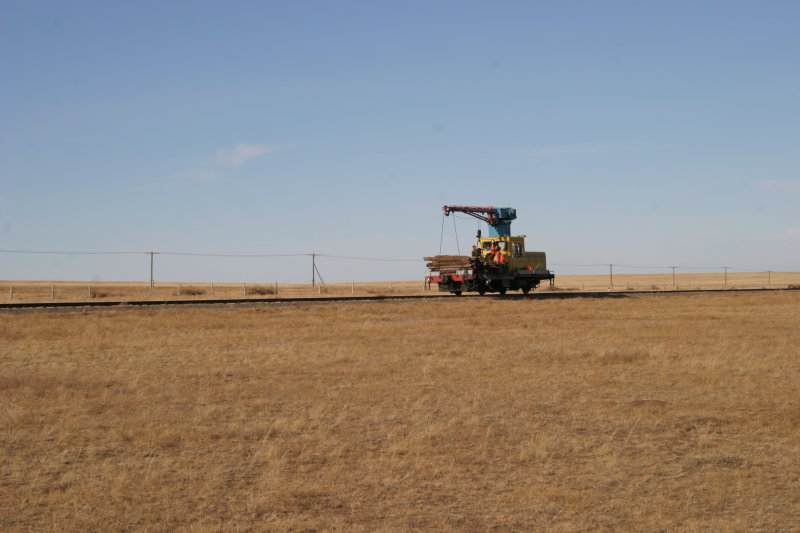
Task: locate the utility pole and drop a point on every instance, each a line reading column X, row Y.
column 151, row 268
column 610, row 276
column 726, row 275
column 315, row 273
column 769, row 278
column 673, row 275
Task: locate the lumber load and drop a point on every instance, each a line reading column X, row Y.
column 447, row 263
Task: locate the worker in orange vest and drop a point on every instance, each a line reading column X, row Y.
column 493, row 251
column 497, row 254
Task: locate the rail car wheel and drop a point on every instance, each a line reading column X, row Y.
column 526, row 290
column 501, row 290
column 457, row 293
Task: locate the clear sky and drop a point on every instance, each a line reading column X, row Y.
column 637, row 133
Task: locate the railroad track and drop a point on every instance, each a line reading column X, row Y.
column 532, row 296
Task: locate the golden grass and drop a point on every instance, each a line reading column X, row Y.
column 72, row 291
column 662, row 412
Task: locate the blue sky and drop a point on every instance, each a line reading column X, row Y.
column 635, row 133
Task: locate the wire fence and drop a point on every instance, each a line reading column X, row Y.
column 69, row 291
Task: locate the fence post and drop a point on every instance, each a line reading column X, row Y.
column 276, row 288
column 52, row 292
column 244, row 288
column 212, row 289
column 353, row 288
column 10, row 293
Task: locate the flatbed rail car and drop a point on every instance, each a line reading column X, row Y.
column 483, row 276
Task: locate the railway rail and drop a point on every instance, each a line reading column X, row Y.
column 228, row 301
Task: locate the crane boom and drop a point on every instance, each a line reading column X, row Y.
column 498, row 218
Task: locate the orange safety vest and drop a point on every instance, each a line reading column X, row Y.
column 500, row 257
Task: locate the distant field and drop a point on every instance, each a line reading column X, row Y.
column 70, row 291
column 646, row 413
column 644, row 282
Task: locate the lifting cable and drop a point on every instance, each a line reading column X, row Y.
column 455, row 230
column 441, row 236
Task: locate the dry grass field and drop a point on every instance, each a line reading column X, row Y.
column 71, row 291
column 644, row 413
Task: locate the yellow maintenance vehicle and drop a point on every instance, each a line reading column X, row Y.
column 498, row 263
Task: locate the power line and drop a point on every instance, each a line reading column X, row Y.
column 53, row 252
column 572, row 265
column 231, row 255
column 641, row 266
column 369, row 258
column 358, row 258
column 745, row 269
column 50, row 252
column 199, row 254
column 709, row 268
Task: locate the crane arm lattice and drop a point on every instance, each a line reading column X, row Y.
column 498, row 218
column 487, row 214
